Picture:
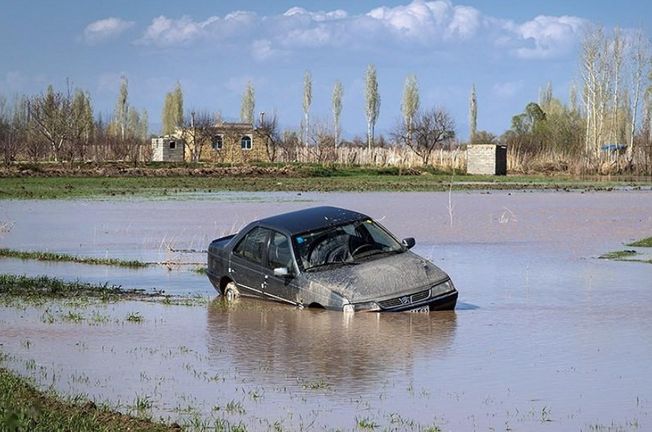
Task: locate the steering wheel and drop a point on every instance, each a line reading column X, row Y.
column 362, row 247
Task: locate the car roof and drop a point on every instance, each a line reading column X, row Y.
column 310, row 219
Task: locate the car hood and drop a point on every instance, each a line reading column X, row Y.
column 378, row 279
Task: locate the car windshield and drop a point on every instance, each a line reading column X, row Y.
column 347, row 244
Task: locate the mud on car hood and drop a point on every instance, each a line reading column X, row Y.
column 380, row 278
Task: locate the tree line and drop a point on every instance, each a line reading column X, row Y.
column 60, row 126
column 606, row 123
column 607, row 118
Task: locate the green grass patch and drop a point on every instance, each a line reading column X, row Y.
column 60, row 257
column 646, row 242
column 624, row 255
column 44, row 287
column 618, row 255
column 24, row 408
column 135, row 317
column 305, row 177
column 200, row 270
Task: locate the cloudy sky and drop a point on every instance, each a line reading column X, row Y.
column 509, row 49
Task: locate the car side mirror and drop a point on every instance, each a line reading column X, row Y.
column 282, row 272
column 408, row 243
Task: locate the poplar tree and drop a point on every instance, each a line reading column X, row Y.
column 121, row 111
column 372, row 107
column 338, row 92
column 172, row 116
column 473, row 114
column 410, row 104
column 248, row 104
column 307, row 101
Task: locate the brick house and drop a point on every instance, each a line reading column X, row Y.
column 230, row 143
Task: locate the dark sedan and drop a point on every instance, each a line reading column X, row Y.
column 327, row 257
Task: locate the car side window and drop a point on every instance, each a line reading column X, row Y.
column 280, row 254
column 252, row 246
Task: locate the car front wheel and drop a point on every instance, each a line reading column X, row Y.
column 231, row 291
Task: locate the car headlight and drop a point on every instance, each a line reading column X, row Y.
column 445, row 286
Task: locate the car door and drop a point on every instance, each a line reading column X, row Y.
column 246, row 263
column 280, row 256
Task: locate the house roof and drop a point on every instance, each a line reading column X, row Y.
column 247, row 126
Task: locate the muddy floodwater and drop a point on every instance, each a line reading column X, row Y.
column 546, row 337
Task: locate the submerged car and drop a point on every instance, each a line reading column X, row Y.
column 327, row 257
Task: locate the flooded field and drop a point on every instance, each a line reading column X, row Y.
column 545, row 337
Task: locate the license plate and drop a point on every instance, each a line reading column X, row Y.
column 425, row 308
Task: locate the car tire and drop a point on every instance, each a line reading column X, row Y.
column 231, row 291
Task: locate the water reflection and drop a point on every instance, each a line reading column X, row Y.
column 267, row 341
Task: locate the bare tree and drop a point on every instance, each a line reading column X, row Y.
column 197, row 131
column 307, row 101
column 13, row 128
column 81, row 125
column 640, row 61
column 248, row 104
column 48, row 114
column 595, row 72
column 322, row 142
column 372, row 98
column 289, row 146
column 338, row 93
column 432, row 128
column 268, row 128
column 616, row 66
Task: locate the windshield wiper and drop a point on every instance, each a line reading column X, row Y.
column 344, row 263
column 380, row 252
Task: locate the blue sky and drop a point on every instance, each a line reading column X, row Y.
column 509, row 49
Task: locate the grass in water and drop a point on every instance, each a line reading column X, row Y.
column 200, row 270
column 135, row 317
column 618, row 254
column 624, row 255
column 646, row 242
column 52, row 256
column 44, row 287
column 24, row 408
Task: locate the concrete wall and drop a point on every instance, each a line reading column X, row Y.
column 161, row 151
column 486, row 159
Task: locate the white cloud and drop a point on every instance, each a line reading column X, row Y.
column 548, row 36
column 261, row 49
column 165, row 31
column 428, row 24
column 417, row 20
column 465, row 22
column 316, row 16
column 104, row 29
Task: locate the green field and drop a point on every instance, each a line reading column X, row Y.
column 312, row 178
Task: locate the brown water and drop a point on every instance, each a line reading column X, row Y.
column 546, row 337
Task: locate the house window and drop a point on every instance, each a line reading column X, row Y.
column 217, row 142
column 173, row 145
column 245, row 143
